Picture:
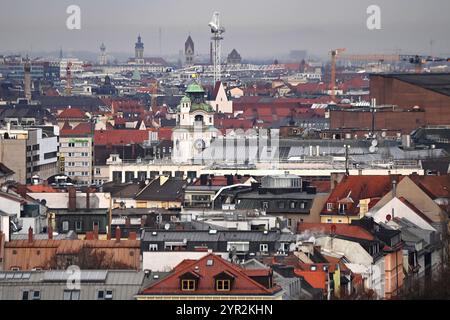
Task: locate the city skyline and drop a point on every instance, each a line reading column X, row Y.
column 256, row 30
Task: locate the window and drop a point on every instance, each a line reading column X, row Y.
column 313, row 268
column 263, row 247
column 25, row 295
column 153, row 247
column 223, row 285
column 71, row 144
column 65, row 225
column 328, row 220
column 302, row 205
column 36, row 295
column 108, row 295
column 292, row 205
column 329, row 206
column 97, row 170
column 265, row 205
column 100, row 295
column 342, row 207
column 188, row 285
column 71, row 295
column 78, row 225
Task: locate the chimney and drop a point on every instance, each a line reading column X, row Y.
column 89, row 235
column 132, row 235
column 118, row 234
column 143, row 221
column 394, row 188
column 30, row 235
column 72, row 199
column 50, row 231
column 95, row 232
column 22, row 190
column 88, row 198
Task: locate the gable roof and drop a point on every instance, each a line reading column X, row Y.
column 72, row 113
column 170, row 190
column 433, row 186
column 208, row 268
column 359, row 187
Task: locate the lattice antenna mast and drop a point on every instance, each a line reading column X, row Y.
column 217, row 30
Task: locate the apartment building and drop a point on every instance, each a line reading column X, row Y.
column 76, row 153
column 29, row 152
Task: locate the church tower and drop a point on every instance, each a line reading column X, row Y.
column 195, row 125
column 189, row 51
column 27, row 79
column 139, row 51
column 103, row 59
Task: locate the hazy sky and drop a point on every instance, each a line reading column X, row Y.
column 256, row 28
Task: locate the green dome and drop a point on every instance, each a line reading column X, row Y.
column 201, row 106
column 185, row 99
column 194, row 88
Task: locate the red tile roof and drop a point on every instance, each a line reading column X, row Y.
column 357, row 188
column 72, row 113
column 317, row 279
column 40, row 188
column 82, row 129
column 120, row 137
column 434, row 186
column 206, row 273
column 341, row 229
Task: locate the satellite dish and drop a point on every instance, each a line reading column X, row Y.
column 374, row 142
column 372, row 149
column 167, row 226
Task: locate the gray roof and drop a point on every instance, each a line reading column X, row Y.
column 220, row 235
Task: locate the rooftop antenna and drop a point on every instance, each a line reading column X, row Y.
column 217, row 30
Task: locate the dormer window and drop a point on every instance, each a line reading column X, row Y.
column 223, row 285
column 329, row 206
column 342, row 208
column 187, row 285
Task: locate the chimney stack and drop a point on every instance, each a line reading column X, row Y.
column 143, row 221
column 132, row 235
column 394, row 188
column 72, row 199
column 50, row 231
column 118, row 234
column 30, row 235
column 88, row 198
column 95, row 231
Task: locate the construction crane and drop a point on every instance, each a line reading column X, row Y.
column 217, row 30
column 334, row 54
column 69, row 78
column 418, row 61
